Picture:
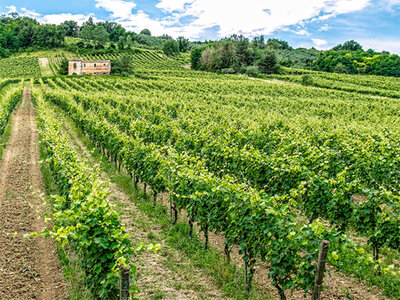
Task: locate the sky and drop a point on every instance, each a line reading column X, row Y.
column 322, row 24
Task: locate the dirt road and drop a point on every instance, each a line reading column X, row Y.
column 29, row 268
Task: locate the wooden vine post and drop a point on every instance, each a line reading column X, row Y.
column 319, row 274
column 124, row 283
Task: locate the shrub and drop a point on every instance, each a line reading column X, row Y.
column 252, row 71
column 228, row 71
column 268, row 63
column 171, row 47
column 195, row 57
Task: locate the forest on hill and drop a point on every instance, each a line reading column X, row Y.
column 235, row 54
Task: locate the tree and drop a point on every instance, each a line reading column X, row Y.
column 114, row 30
column 24, row 30
column 183, row 44
column 349, row 45
column 268, row 62
column 122, row 66
column 63, row 69
column 89, row 22
column 121, row 42
column 129, row 41
column 86, row 32
column 258, row 42
column 277, row 44
column 48, row 36
column 195, row 57
column 146, row 32
column 71, row 28
column 340, row 68
column 100, row 35
column 171, row 47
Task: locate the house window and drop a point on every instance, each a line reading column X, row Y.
column 84, row 65
column 74, row 65
column 104, row 64
column 95, row 65
column 94, row 73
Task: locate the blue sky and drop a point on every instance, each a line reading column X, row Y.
column 303, row 23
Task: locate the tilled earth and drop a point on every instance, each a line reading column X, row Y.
column 29, row 267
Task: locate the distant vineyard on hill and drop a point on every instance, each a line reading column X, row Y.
column 19, row 67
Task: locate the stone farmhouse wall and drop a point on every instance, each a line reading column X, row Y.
column 89, row 67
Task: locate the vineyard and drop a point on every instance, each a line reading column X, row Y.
column 271, row 167
column 19, row 67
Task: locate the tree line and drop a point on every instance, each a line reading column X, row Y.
column 350, row 58
column 24, row 34
column 236, row 54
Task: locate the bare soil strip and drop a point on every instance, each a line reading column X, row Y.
column 29, row 268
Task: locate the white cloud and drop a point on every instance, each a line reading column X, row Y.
column 11, row 9
column 320, row 44
column 324, row 28
column 172, row 5
column 29, row 13
column 346, row 6
column 250, row 17
column 381, row 45
column 391, row 6
column 255, row 17
column 119, row 9
column 52, row 18
column 301, row 32
column 60, row 18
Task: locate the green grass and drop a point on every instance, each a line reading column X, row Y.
column 349, row 264
column 6, row 134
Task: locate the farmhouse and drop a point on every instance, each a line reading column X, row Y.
column 79, row 66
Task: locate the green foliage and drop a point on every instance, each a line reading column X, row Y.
column 358, row 61
column 349, row 45
column 183, row 44
column 83, row 217
column 195, row 57
column 8, row 101
column 121, row 42
column 340, row 68
column 19, row 67
column 100, row 35
column 246, row 217
column 275, row 44
column 63, row 67
column 122, row 65
column 71, row 28
column 146, row 32
column 274, row 150
column 268, row 63
column 235, row 53
column 171, row 47
column 252, row 71
column 86, row 32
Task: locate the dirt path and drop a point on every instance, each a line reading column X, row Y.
column 45, row 66
column 165, row 275
column 29, row 268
